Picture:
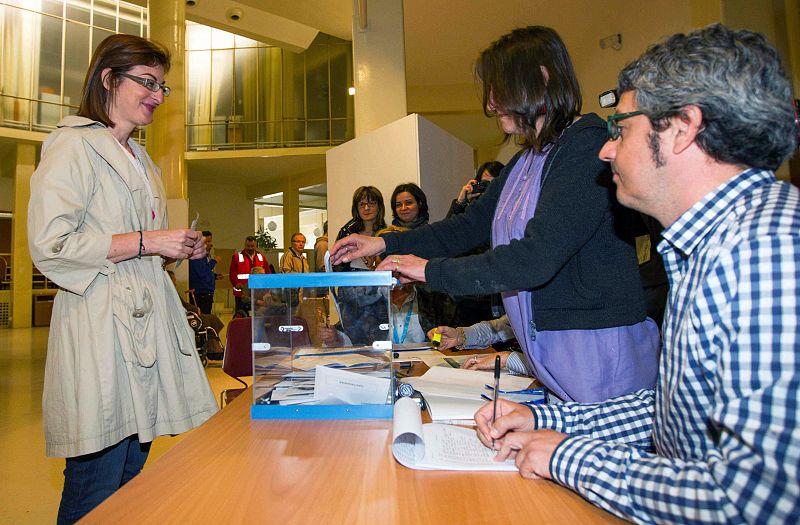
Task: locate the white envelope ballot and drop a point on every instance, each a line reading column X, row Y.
column 337, row 386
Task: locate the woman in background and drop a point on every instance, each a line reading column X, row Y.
column 121, row 362
column 368, row 216
column 410, row 210
column 409, row 206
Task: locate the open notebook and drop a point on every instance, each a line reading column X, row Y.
column 434, row 446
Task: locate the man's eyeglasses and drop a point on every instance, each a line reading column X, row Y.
column 365, row 205
column 614, row 131
column 149, row 83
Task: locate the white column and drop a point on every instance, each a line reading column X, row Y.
column 378, row 63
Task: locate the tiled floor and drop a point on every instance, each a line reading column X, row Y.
column 31, row 484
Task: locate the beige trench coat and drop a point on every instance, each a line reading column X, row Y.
column 121, row 358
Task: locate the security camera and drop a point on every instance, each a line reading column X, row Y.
column 234, row 14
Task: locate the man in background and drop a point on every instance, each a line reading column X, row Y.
column 202, row 278
column 294, row 260
column 242, row 264
column 703, row 121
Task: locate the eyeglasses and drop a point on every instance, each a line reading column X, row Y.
column 365, row 205
column 149, row 83
column 614, row 131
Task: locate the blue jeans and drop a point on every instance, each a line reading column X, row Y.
column 90, row 479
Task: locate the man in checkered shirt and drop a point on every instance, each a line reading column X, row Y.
column 703, row 121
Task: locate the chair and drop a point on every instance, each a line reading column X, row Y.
column 237, row 360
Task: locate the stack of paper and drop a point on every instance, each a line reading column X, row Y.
column 456, row 394
column 331, row 386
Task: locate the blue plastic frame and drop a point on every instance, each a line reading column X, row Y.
column 321, row 411
column 320, row 280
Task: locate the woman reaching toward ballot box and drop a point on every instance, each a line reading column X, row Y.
column 569, row 282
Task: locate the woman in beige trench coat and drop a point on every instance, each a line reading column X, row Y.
column 121, row 362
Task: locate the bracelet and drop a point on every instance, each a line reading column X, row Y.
column 141, row 245
column 461, row 339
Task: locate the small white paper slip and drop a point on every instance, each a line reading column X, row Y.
column 434, row 446
column 340, row 387
column 192, row 226
column 327, row 260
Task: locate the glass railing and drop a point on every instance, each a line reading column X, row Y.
column 32, row 115
column 237, row 134
column 39, row 115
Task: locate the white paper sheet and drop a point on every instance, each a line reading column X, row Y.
column 334, row 386
column 434, row 446
column 443, row 408
column 467, row 384
column 192, row 226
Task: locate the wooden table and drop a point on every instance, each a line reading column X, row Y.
column 234, row 470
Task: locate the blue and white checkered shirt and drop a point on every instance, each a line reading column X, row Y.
column 718, row 441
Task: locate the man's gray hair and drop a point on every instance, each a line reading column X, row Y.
column 735, row 78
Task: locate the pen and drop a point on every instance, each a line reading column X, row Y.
column 538, row 390
column 496, row 391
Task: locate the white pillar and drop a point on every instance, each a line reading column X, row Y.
column 378, row 63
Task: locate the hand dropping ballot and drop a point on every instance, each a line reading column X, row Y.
column 434, row 446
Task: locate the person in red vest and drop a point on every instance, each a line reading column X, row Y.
column 241, row 264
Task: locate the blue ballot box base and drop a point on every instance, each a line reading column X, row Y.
column 321, row 411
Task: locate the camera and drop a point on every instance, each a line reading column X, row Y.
column 480, row 187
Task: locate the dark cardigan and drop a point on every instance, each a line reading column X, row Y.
column 582, row 273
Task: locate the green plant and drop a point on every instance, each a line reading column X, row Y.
column 264, row 240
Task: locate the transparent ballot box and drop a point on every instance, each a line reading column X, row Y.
column 322, row 346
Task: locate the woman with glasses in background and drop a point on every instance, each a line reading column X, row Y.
column 368, row 216
column 121, row 366
column 568, row 279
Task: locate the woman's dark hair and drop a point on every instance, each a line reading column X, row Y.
column 419, row 196
column 493, row 167
column 513, row 83
column 370, row 193
column 120, row 53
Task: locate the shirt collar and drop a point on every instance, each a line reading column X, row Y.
column 687, row 233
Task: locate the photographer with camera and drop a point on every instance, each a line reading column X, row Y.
column 473, row 189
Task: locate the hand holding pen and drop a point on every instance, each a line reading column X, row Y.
column 508, row 417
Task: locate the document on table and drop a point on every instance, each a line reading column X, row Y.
column 434, row 446
column 459, row 382
column 431, row 358
column 443, row 408
column 455, row 393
